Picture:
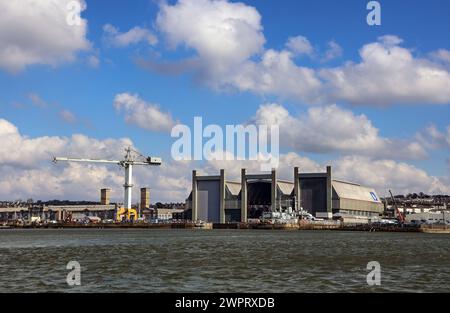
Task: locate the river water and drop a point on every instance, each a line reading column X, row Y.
column 222, row 261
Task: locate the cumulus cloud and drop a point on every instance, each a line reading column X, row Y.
column 226, row 37
column 227, row 44
column 388, row 73
column 222, row 33
column 381, row 174
column 390, row 40
column 276, row 74
column 300, row 45
column 387, row 174
column 441, row 55
column 26, row 169
column 93, row 61
column 37, row 32
column 334, row 51
column 333, row 129
column 22, row 151
column 142, row 114
column 285, row 170
column 434, row 138
column 135, row 35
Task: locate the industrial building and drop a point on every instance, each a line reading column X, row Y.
column 222, row 201
column 324, row 197
column 69, row 211
column 61, row 211
column 218, row 200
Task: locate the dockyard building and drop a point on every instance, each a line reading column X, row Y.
column 218, row 200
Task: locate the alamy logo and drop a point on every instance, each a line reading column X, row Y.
column 74, row 276
column 374, row 276
column 374, row 16
column 73, row 17
column 238, row 142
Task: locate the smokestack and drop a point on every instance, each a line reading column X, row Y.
column 145, row 198
column 104, row 196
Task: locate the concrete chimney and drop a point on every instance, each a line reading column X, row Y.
column 104, row 196
column 145, row 198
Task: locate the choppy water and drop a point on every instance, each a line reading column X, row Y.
column 222, row 261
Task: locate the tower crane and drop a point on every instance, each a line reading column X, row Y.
column 127, row 163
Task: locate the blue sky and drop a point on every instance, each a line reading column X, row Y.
column 87, row 91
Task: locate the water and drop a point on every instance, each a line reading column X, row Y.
column 222, row 261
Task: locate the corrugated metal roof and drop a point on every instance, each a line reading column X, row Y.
column 285, row 187
column 234, row 188
column 354, row 191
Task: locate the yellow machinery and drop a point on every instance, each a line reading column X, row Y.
column 124, row 214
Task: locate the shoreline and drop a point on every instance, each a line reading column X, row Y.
column 237, row 226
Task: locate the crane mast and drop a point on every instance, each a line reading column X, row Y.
column 127, row 163
column 400, row 216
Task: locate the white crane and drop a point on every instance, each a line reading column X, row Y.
column 126, row 163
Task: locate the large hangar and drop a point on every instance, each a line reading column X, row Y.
column 218, row 200
column 355, row 200
column 323, row 196
column 213, row 199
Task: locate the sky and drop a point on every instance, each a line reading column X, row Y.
column 372, row 101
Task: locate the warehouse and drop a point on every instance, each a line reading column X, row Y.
column 56, row 212
column 60, row 210
column 61, row 213
column 355, row 200
column 218, row 200
column 325, row 197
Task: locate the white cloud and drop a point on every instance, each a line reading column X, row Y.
column 226, row 37
column 223, row 34
column 93, row 61
column 37, row 101
column 387, row 174
column 334, row 51
column 68, row 116
column 390, row 40
column 135, row 35
column 26, row 169
column 334, row 129
column 381, row 174
column 20, row 151
column 433, row 138
column 285, row 171
column 37, row 32
column 143, row 114
column 276, row 74
column 441, row 55
column 300, row 45
column 227, row 42
column 388, row 74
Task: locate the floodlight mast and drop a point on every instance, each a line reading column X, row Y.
column 127, row 163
